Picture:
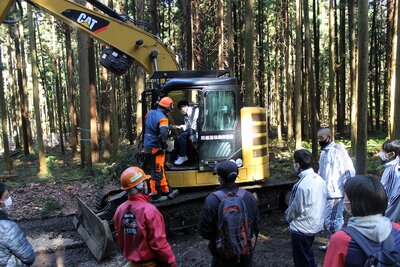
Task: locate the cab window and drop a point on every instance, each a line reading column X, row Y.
column 219, row 111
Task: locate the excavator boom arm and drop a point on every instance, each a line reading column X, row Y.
column 142, row 46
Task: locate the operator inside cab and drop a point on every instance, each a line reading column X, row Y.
column 187, row 131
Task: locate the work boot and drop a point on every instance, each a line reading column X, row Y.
column 180, row 160
column 159, row 199
column 172, row 194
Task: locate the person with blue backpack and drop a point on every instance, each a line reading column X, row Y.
column 230, row 220
column 369, row 239
column 305, row 212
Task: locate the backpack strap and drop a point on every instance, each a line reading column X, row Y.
column 387, row 245
column 360, row 240
column 221, row 195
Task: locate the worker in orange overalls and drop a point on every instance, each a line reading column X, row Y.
column 155, row 143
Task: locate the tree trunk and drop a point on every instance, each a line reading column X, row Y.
column 361, row 155
column 3, row 113
column 353, row 80
column 331, row 67
column 342, row 51
column 277, row 76
column 57, row 85
column 83, row 67
column 297, row 90
column 260, row 98
column 114, row 120
column 388, row 69
column 230, row 35
column 25, row 87
column 310, row 80
column 289, row 88
column 220, row 30
column 316, row 24
column 140, row 77
column 22, row 91
column 249, row 53
column 11, row 86
column 395, row 130
column 35, row 89
column 71, row 90
column 93, row 102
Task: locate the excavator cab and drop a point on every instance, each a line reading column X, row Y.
column 217, row 99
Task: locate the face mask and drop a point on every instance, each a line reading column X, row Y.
column 324, row 143
column 7, row 202
column 142, row 187
column 347, row 207
column 383, row 155
column 296, row 167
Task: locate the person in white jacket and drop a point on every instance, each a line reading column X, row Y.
column 188, row 130
column 392, row 188
column 335, row 167
column 389, row 155
column 305, row 212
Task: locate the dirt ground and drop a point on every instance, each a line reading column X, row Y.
column 58, row 244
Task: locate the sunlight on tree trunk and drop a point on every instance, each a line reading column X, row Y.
column 36, row 97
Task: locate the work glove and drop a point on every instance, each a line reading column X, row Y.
column 164, row 146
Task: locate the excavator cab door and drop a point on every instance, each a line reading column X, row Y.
column 219, row 127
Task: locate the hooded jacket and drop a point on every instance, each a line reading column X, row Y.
column 15, row 250
column 344, row 251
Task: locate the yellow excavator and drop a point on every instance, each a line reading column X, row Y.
column 227, row 130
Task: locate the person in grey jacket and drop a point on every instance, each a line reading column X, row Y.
column 15, row 250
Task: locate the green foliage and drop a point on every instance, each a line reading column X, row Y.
column 47, row 205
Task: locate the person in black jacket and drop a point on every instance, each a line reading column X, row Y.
column 227, row 172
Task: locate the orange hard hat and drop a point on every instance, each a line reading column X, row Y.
column 131, row 177
column 166, row 102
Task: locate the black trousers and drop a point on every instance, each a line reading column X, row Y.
column 303, row 255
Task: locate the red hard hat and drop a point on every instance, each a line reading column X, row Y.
column 131, row 177
column 166, row 102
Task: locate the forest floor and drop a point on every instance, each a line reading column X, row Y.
column 44, row 207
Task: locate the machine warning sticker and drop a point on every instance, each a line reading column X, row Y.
column 89, row 21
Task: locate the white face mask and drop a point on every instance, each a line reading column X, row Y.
column 296, row 167
column 347, row 207
column 7, row 202
column 383, row 155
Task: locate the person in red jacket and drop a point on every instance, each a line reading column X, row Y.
column 140, row 226
column 365, row 200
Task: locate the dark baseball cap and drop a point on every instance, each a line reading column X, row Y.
column 227, row 170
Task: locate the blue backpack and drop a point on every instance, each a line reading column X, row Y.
column 387, row 256
column 234, row 237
